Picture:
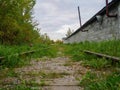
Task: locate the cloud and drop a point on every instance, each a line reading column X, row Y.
column 64, row 28
column 56, row 16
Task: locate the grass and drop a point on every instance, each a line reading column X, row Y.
column 92, row 81
column 13, row 59
column 28, row 85
column 33, row 83
column 68, row 63
column 106, row 47
column 8, row 72
column 97, row 81
column 75, row 51
column 47, row 75
column 18, row 87
column 12, row 73
column 97, row 63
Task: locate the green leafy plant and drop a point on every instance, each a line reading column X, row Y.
column 98, row 63
column 14, row 57
column 92, row 81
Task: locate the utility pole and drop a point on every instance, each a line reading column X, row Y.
column 79, row 16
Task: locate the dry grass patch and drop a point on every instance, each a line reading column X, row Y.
column 47, row 75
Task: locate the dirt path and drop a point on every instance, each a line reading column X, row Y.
column 48, row 74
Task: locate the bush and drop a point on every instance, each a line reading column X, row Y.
column 92, row 81
column 97, row 63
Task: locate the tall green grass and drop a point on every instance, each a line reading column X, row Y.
column 92, row 81
column 75, row 51
column 97, row 81
column 106, row 47
column 13, row 59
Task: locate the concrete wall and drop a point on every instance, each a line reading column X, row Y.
column 108, row 29
column 119, row 18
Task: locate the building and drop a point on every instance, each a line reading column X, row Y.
column 104, row 25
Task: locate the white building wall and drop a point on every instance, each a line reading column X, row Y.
column 108, row 29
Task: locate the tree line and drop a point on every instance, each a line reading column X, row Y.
column 17, row 26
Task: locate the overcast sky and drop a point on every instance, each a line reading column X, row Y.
column 56, row 16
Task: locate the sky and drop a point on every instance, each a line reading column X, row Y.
column 55, row 17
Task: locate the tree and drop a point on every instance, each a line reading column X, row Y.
column 46, row 39
column 59, row 42
column 69, row 32
column 16, row 25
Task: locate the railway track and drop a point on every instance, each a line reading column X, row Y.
column 100, row 55
column 113, row 58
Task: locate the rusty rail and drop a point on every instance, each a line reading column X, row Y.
column 1, row 58
column 24, row 53
column 29, row 52
column 117, row 59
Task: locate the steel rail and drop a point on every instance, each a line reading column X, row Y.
column 113, row 58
